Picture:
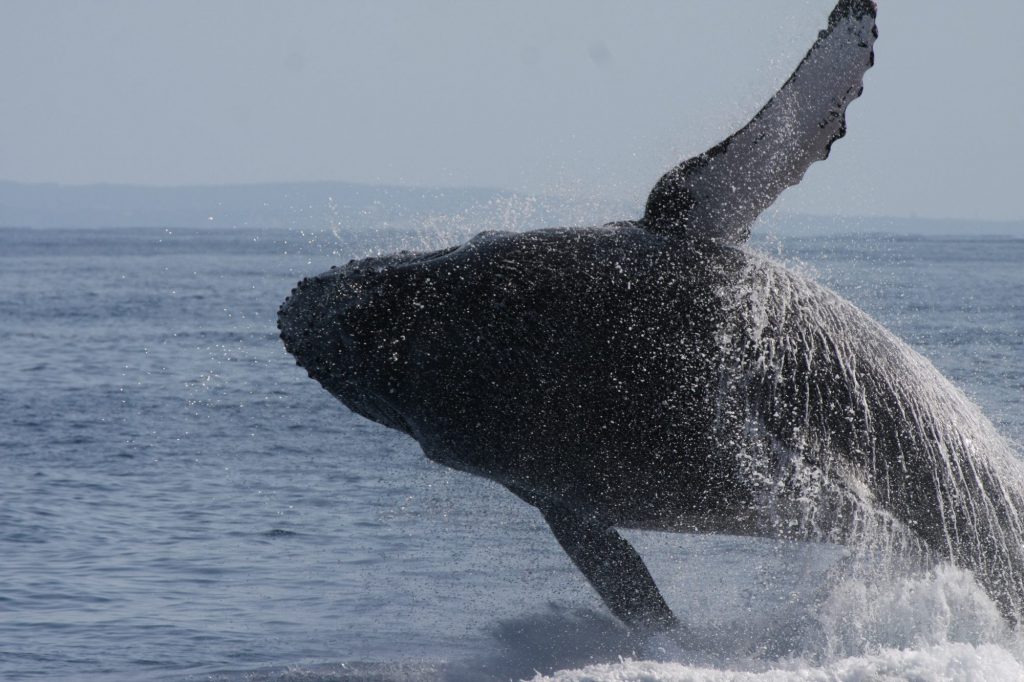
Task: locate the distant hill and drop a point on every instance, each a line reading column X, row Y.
column 353, row 207
column 255, row 206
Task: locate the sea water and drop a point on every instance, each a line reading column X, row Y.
column 178, row 501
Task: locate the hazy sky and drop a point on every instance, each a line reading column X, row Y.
column 581, row 97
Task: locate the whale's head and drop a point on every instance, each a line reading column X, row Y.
column 448, row 341
column 350, row 328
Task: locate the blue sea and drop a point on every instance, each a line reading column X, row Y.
column 178, row 501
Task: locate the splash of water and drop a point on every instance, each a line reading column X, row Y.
column 849, row 435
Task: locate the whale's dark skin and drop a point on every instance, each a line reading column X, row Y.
column 655, row 374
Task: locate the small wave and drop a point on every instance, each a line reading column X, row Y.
column 339, row 672
column 279, row 533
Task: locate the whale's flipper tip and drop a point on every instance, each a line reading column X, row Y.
column 858, row 9
column 720, row 193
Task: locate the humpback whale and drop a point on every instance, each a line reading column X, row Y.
column 658, row 374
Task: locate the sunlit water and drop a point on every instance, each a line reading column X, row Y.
column 178, row 501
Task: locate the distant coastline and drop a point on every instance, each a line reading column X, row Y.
column 352, row 207
column 262, row 206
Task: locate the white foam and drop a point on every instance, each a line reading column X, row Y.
column 952, row 662
column 927, row 627
column 944, row 605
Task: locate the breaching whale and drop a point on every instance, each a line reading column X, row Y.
column 657, row 374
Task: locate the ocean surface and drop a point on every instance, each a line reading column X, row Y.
column 178, row 501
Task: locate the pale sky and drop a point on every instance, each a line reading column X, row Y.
column 586, row 98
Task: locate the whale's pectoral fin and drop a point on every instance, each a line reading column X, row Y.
column 614, row 569
column 720, row 193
